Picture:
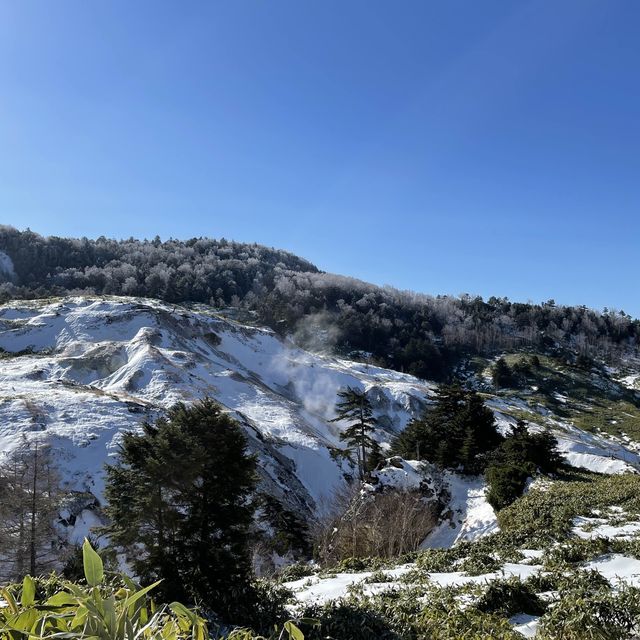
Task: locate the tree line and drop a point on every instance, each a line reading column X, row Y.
column 423, row 335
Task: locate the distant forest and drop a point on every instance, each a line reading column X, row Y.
column 421, row 334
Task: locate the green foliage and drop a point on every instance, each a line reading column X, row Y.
column 599, row 614
column 354, row 407
column 438, row 560
column 509, row 597
column 445, row 617
column 506, row 483
column 544, row 516
column 502, row 375
column 267, row 610
column 457, row 430
column 562, row 580
column 348, row 619
column 98, row 612
column 295, row 571
column 575, row 550
column 355, row 565
column 181, row 489
column 517, row 458
column 522, row 447
column 479, row 563
column 290, row 531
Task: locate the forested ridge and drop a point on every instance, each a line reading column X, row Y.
column 422, row 334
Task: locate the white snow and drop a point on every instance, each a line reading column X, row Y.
column 472, row 516
column 406, row 475
column 588, row 528
column 316, row 589
column 525, row 624
column 101, row 366
column 617, row 568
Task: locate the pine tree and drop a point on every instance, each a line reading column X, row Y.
column 501, row 374
column 519, row 457
column 179, row 502
column 458, row 430
column 354, row 406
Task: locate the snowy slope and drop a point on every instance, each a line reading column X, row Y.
column 78, row 371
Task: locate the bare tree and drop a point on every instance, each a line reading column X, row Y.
column 29, row 501
column 384, row 524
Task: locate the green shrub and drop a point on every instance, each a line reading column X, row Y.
column 600, row 614
column 438, row 560
column 356, row 565
column 446, row 619
column 97, row 611
column 269, row 606
column 582, row 580
column 506, row 484
column 348, row 619
column 378, row 577
column 543, row 516
column 478, row 564
column 576, row 550
column 509, row 597
column 296, row 572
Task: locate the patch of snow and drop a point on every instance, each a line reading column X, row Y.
column 321, row 590
column 472, row 517
column 406, row 475
column 617, row 568
column 589, row 528
column 525, row 624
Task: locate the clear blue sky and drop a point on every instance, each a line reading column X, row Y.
column 447, row 147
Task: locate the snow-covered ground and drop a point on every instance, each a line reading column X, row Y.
column 88, row 368
column 597, row 452
column 76, row 372
column 469, row 516
column 317, row 589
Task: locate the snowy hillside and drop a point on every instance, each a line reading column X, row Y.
column 79, row 371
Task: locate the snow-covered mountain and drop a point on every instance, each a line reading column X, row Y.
column 79, row 371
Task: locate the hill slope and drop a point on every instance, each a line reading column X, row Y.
column 78, row 371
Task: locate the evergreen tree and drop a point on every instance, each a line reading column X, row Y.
column 354, row 407
column 501, row 374
column 505, row 484
column 519, row 457
column 179, row 502
column 374, row 457
column 457, row 431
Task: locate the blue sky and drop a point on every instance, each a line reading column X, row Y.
column 447, row 147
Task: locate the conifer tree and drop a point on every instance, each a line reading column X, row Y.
column 457, row 431
column 354, row 406
column 180, row 509
column 501, row 374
